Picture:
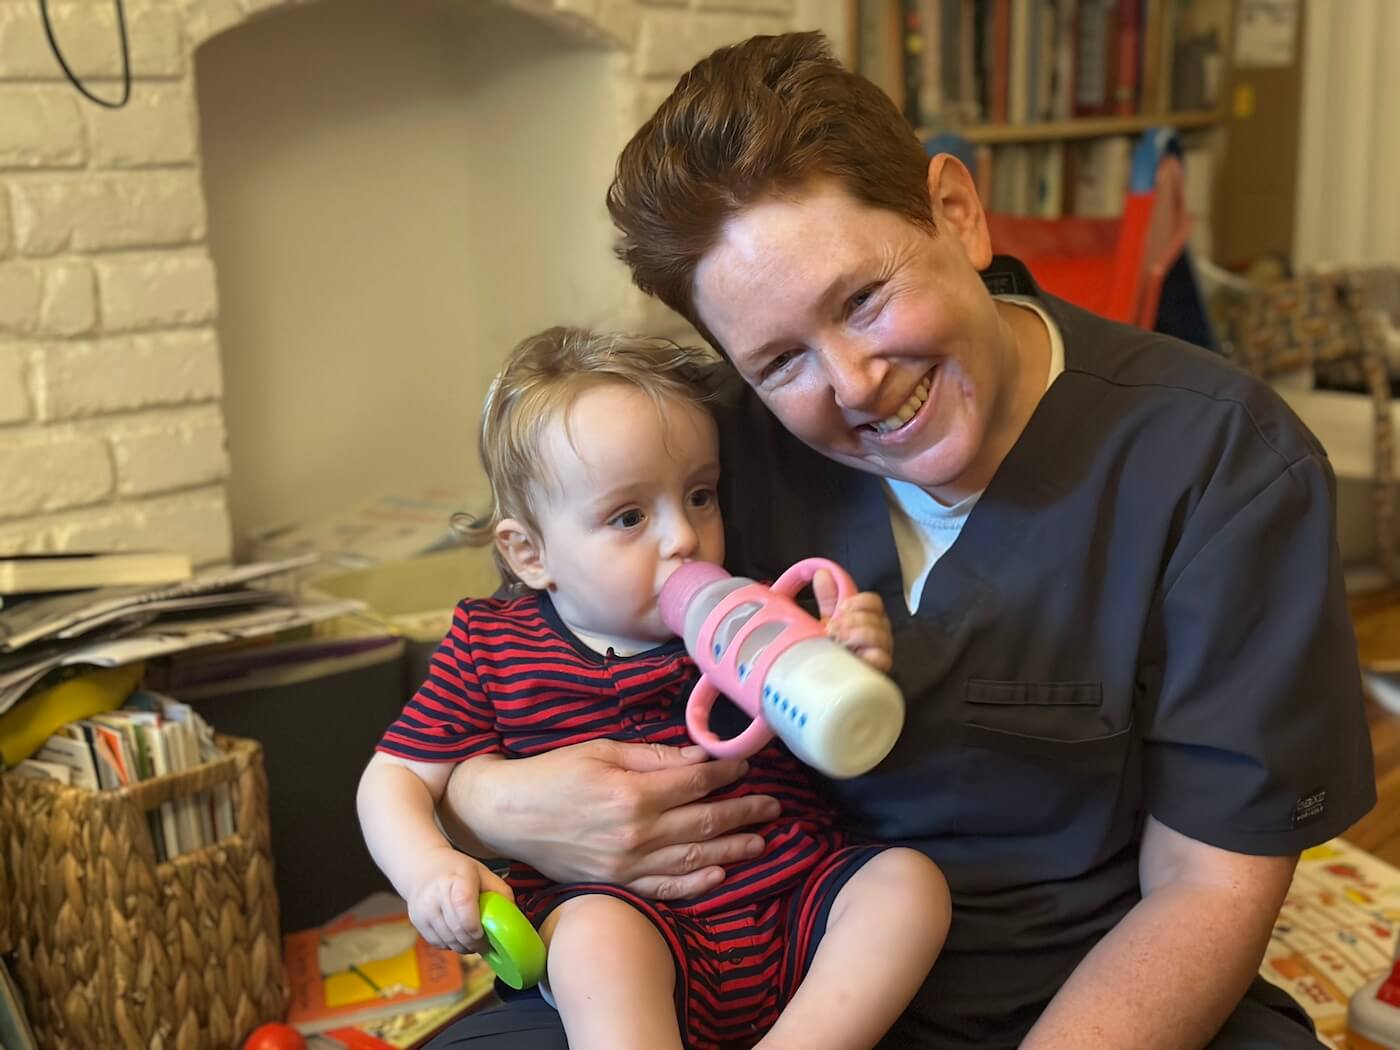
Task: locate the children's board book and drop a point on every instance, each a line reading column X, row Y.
column 354, row 970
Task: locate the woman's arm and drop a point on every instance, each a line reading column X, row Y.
column 605, row 811
column 1171, row 972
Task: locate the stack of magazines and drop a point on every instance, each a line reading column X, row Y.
column 49, row 637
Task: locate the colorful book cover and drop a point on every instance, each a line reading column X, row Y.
column 414, row 1028
column 355, row 970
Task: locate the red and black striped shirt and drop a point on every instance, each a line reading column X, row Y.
column 510, row 678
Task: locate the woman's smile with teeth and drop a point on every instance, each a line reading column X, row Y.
column 906, row 411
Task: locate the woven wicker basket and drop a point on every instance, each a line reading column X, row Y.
column 115, row 950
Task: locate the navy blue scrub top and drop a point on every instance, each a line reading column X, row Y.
column 1144, row 613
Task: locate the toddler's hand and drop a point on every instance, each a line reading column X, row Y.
column 860, row 624
column 442, row 903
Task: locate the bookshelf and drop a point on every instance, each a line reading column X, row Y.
column 1083, row 127
column 1049, row 95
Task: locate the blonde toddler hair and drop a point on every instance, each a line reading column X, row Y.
column 540, row 380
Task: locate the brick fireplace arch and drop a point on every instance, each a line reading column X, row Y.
column 112, row 430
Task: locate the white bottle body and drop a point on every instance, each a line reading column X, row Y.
column 833, row 710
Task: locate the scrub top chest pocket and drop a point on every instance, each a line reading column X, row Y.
column 1036, row 754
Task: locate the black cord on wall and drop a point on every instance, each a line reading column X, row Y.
column 73, row 77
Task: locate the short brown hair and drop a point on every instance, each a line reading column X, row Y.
column 541, row 379
column 752, row 121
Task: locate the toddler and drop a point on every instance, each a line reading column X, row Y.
column 603, row 465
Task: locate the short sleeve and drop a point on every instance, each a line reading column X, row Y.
column 450, row 717
column 1257, row 739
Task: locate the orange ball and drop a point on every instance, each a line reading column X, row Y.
column 275, row 1036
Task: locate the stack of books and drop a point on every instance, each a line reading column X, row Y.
column 367, row 980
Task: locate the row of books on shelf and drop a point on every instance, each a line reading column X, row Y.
column 150, row 736
column 1085, row 179
column 955, row 63
column 1056, row 179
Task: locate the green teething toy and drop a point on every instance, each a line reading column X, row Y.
column 517, row 953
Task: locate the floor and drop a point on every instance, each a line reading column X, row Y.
column 1377, row 620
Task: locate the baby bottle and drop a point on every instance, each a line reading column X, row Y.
column 761, row 649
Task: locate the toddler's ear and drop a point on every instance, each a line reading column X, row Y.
column 524, row 554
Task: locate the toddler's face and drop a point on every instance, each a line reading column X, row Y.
column 626, row 497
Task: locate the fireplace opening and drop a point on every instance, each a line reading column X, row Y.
column 397, row 192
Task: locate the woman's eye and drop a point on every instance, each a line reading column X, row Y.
column 863, row 296
column 628, row 519
column 778, row 363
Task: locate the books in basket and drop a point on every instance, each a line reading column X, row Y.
column 354, row 970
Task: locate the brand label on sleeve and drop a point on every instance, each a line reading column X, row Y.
column 1309, row 807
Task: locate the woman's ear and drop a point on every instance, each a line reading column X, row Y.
column 957, row 209
column 524, row 553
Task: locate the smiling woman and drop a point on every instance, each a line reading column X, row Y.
column 1125, row 645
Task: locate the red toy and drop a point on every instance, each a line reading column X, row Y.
column 1114, row 267
column 274, row 1036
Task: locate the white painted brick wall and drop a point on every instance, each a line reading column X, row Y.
column 94, row 213
column 69, row 303
column 7, row 240
column 619, row 20
column 207, row 18
column 670, row 42
column 21, row 292
column 120, row 374
column 650, row 95
column 196, row 522
column 157, row 126
column 585, row 9
column 774, row 7
column 43, row 472
column 193, row 522
column 15, row 405
column 156, row 290
column 49, row 299
column 43, row 128
column 87, row 32
column 173, row 450
column 111, row 431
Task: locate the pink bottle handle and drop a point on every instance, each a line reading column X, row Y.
column 697, row 724
column 703, row 696
column 804, row 572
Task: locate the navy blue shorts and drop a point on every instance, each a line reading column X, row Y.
column 735, row 969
